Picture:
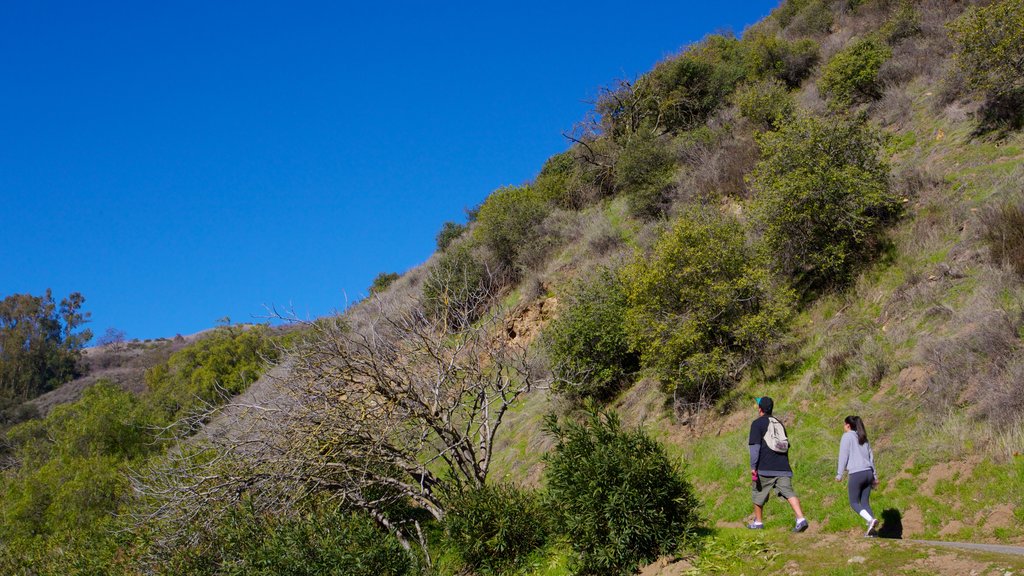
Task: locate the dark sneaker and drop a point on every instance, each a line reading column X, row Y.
column 871, row 527
column 800, row 526
column 755, row 526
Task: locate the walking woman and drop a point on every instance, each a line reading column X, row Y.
column 855, row 457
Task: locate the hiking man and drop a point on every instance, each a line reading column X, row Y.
column 769, row 465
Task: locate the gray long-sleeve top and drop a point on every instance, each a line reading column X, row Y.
column 854, row 457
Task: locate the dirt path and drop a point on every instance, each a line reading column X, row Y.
column 998, row 548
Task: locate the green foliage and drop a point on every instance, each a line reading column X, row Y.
column 508, row 221
column 990, row 46
column 769, row 56
column 767, row 104
column 679, row 94
column 559, row 181
column 457, row 287
column 805, row 16
column 904, row 23
column 644, row 171
column 587, row 343
column 619, row 499
column 40, row 345
column 703, row 305
column 225, row 362
column 382, row 281
column 1004, row 234
column 494, row 528
column 852, row 74
column 823, row 197
column 323, row 542
column 450, row 231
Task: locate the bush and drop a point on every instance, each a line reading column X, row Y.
column 587, row 343
column 1004, row 234
column 767, row 104
column 805, row 17
column 382, row 281
column 458, row 286
column 332, row 542
column 508, row 220
column 618, row 497
column 769, row 56
column 904, row 23
column 990, row 46
column 702, row 305
column 560, row 181
column 495, row 528
column 823, row 197
column 644, row 172
column 852, row 75
column 450, row 231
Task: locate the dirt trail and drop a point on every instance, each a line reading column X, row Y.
column 998, row 548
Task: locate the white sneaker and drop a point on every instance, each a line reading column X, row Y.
column 871, row 527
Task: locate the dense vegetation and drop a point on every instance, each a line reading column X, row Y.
column 826, row 208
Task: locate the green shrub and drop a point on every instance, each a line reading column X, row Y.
column 823, row 196
column 644, row 172
column 450, row 231
column 767, row 104
column 619, row 499
column 1004, row 234
column 587, row 343
column 495, row 528
column 560, row 181
column 458, row 286
column 382, row 281
column 811, row 17
column 904, row 23
column 769, row 56
column 508, row 220
column 852, row 75
column 332, row 542
column 702, row 305
column 679, row 93
column 225, row 362
column 990, row 46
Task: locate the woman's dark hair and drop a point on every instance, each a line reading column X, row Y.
column 857, row 425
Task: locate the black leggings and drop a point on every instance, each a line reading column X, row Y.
column 860, row 490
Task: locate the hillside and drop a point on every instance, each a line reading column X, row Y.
column 827, row 210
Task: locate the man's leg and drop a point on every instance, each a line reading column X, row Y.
column 795, row 503
column 758, row 514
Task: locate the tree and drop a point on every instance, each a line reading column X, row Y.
column 823, row 196
column 508, row 220
column 40, row 344
column 403, row 410
column 851, row 76
column 450, row 231
column 990, row 46
column 112, row 338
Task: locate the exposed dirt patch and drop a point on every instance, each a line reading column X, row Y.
column 913, row 522
column 943, row 564
column 523, row 327
column 947, row 471
column 999, row 517
column 951, row 528
column 914, row 379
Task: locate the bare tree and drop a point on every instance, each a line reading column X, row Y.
column 399, row 412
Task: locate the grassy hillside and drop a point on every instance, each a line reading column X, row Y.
column 826, row 209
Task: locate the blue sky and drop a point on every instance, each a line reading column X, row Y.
column 184, row 161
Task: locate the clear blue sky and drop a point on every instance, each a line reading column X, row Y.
column 178, row 162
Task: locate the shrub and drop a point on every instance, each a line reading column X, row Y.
column 587, row 343
column 800, row 17
column 508, row 220
column 852, row 75
column 769, row 56
column 450, row 231
column 1004, row 234
column 767, row 104
column 702, row 305
column 823, row 197
column 644, row 171
column 382, row 281
column 495, row 528
column 990, row 46
column 618, row 497
column 904, row 23
column 457, row 287
column 560, row 183
column 320, row 542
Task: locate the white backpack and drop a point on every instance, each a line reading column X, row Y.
column 775, row 437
